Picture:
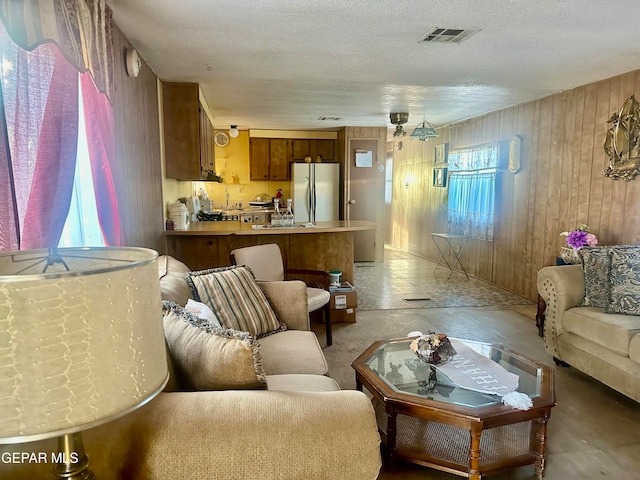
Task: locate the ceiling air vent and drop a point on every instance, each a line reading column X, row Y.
column 448, row 35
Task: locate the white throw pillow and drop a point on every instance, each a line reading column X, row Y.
column 202, row 310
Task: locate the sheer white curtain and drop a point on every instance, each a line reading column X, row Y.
column 471, row 204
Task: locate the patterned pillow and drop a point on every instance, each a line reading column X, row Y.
column 596, row 265
column 625, row 281
column 209, row 357
column 236, row 298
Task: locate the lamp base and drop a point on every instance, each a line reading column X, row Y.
column 73, row 462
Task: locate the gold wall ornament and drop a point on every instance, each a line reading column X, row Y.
column 622, row 143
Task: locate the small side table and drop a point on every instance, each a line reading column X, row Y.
column 444, row 245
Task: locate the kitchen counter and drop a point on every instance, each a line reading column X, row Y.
column 238, row 228
column 327, row 246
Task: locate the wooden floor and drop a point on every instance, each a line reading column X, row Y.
column 593, row 433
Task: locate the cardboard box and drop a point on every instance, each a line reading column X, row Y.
column 342, row 307
column 343, row 315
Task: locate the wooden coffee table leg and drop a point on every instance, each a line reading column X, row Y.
column 541, row 445
column 474, row 451
column 391, row 440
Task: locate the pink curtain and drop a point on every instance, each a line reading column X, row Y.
column 52, row 182
column 101, row 141
column 40, row 106
column 80, row 28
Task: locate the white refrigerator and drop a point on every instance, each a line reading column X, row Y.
column 315, row 191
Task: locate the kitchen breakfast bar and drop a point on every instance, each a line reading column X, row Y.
column 325, row 246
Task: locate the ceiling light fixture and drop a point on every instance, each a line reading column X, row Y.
column 424, row 131
column 398, row 119
column 233, row 131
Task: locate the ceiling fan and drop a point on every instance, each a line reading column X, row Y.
column 398, row 119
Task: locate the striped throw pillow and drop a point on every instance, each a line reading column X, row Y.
column 236, row 298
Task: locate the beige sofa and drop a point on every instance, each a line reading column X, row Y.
column 303, row 426
column 603, row 345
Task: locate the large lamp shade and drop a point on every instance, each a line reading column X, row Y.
column 81, row 339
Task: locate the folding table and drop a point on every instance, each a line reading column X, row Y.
column 444, row 244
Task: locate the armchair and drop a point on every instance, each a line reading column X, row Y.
column 266, row 263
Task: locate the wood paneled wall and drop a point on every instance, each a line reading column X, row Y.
column 137, row 172
column 559, row 186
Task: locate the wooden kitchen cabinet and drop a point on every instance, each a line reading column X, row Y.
column 199, row 252
column 301, row 148
column 279, row 156
column 259, row 159
column 188, row 133
column 324, row 148
column 207, row 149
column 269, row 159
column 313, row 147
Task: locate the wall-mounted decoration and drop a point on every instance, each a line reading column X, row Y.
column 439, row 177
column 515, row 152
column 441, row 153
column 622, row 143
column 364, row 158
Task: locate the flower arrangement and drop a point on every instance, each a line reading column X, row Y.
column 581, row 237
column 433, row 348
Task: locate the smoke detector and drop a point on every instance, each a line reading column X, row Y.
column 398, row 119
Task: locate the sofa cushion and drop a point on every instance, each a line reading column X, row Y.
column 613, row 331
column 210, row 357
column 172, row 284
column 236, row 298
column 293, row 351
column 595, row 266
column 634, row 349
column 624, row 281
column 296, row 382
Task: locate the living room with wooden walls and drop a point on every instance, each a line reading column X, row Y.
column 559, row 186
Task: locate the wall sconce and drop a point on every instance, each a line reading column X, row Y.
column 408, row 180
column 233, row 131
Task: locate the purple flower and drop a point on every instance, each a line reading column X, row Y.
column 577, row 239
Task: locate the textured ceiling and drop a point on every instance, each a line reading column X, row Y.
column 282, row 64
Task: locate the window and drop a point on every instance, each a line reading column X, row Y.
column 388, row 179
column 56, row 143
column 472, row 191
column 82, row 227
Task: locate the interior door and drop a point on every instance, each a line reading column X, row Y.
column 362, row 195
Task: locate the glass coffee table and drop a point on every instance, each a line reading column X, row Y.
column 433, row 422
